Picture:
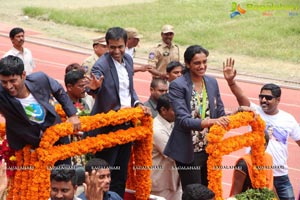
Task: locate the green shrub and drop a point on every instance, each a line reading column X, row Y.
column 256, row 194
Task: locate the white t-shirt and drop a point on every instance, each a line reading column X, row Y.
column 26, row 57
column 280, row 126
column 130, row 51
column 34, row 111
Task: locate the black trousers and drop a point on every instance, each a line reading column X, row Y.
column 118, row 158
column 195, row 172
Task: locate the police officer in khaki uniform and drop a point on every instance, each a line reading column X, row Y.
column 163, row 53
column 99, row 46
column 133, row 39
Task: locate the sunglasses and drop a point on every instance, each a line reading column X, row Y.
column 267, row 97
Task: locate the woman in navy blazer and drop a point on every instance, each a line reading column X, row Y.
column 197, row 104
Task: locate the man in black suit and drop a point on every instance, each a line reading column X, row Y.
column 113, row 73
column 24, row 103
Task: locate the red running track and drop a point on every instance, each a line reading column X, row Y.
column 53, row 62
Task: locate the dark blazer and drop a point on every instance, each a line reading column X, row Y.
column 20, row 131
column 107, row 96
column 152, row 105
column 180, row 145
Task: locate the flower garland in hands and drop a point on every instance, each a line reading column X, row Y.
column 35, row 184
column 218, row 147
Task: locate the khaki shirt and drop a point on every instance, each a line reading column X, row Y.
column 161, row 55
column 89, row 62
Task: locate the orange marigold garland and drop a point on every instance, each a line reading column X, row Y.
column 32, row 191
column 59, row 110
column 25, row 170
column 2, row 131
column 217, row 147
column 143, row 162
column 10, row 188
column 37, row 182
column 143, row 189
column 90, row 123
column 18, row 176
column 91, row 144
column 131, row 172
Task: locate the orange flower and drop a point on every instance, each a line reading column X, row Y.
column 2, row 131
column 35, row 184
column 18, row 176
column 218, row 147
column 131, row 171
column 60, row 112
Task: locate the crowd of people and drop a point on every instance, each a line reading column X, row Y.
column 184, row 103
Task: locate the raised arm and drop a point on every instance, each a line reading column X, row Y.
column 93, row 187
column 229, row 75
column 142, row 68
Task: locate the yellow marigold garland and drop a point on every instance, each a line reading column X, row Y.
column 218, row 147
column 35, row 184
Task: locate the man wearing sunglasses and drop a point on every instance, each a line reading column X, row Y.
column 279, row 124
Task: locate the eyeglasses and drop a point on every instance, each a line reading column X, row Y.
column 267, row 97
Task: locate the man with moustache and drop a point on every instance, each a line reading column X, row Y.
column 17, row 37
column 63, row 183
column 279, row 123
column 98, row 170
column 25, row 104
column 163, row 53
column 112, row 85
column 100, row 47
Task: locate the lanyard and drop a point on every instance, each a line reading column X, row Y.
column 204, row 99
column 202, row 107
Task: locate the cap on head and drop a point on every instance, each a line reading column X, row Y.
column 133, row 33
column 167, row 29
column 99, row 40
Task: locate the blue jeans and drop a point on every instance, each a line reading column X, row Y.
column 284, row 187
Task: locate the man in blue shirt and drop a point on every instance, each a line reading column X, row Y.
column 99, row 168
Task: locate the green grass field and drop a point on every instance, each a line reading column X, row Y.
column 266, row 30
